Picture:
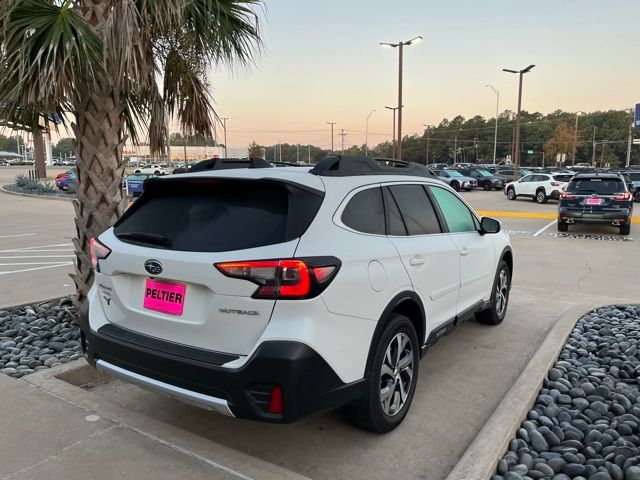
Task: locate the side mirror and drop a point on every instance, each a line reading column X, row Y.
column 489, row 225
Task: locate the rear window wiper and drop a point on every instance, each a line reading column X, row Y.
column 152, row 238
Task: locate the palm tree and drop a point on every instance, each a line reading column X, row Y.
column 116, row 69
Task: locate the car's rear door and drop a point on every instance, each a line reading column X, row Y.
column 160, row 278
column 429, row 255
column 476, row 252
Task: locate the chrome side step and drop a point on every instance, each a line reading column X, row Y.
column 196, row 399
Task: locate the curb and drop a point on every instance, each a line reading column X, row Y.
column 60, row 382
column 479, row 461
column 35, row 302
column 31, row 195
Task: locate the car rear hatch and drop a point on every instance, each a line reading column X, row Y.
column 160, row 278
column 596, row 195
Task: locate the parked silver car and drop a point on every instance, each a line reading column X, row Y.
column 456, row 180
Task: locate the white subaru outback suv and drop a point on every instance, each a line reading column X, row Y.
column 538, row 186
column 275, row 293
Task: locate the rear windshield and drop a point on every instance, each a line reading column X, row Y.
column 562, row 178
column 602, row 186
column 211, row 215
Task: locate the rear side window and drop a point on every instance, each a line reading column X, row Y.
column 419, row 216
column 365, row 212
column 456, row 213
column 395, row 223
column 635, row 177
column 599, row 186
column 212, row 215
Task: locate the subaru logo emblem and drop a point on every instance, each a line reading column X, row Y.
column 154, row 267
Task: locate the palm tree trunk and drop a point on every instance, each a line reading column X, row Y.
column 100, row 168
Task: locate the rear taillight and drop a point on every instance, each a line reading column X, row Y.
column 622, row 196
column 555, row 184
column 286, row 278
column 567, row 196
column 98, row 252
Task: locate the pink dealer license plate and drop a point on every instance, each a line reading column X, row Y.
column 164, row 297
column 594, row 201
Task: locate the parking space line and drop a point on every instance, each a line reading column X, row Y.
column 544, row 228
column 18, row 235
column 37, row 256
column 491, row 213
column 31, row 263
column 37, row 268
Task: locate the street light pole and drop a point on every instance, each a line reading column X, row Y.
column 426, row 158
column 394, row 129
column 495, row 136
column 400, row 46
column 575, row 139
column 366, row 133
column 224, row 125
column 516, row 141
column 332, row 124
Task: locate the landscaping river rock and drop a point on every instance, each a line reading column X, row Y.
column 37, row 337
column 585, row 422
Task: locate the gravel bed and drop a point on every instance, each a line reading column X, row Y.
column 53, row 193
column 38, row 337
column 585, row 422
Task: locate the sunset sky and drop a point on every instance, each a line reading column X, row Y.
column 322, row 62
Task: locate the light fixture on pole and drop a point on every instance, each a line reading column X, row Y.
column 516, row 146
column 575, row 139
column 332, row 124
column 400, row 46
column 495, row 136
column 394, row 128
column 366, row 133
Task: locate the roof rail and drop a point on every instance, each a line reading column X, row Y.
column 346, row 166
column 229, row 163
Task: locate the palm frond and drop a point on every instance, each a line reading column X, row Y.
column 47, row 53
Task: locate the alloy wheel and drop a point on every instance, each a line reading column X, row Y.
column 502, row 293
column 396, row 374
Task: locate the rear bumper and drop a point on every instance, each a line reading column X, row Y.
column 605, row 218
column 309, row 385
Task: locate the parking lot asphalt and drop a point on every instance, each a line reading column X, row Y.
column 462, row 379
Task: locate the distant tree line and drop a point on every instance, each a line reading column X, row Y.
column 550, row 135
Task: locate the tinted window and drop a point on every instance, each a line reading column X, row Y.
column 417, row 211
column 528, row 178
column 365, row 212
column 395, row 223
column 207, row 215
column 506, row 172
column 456, row 213
column 562, row 178
column 634, row 176
column 602, row 186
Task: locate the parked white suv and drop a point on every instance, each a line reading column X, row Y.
column 275, row 293
column 155, row 169
column 538, row 186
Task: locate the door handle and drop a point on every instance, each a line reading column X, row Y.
column 465, row 251
column 417, row 261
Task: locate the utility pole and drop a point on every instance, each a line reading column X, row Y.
column 332, row 124
column 630, row 143
column 426, row 158
column 309, row 152
column 366, row 134
column 593, row 149
column 342, row 134
column 298, row 153
column 224, row 125
column 495, row 135
column 575, row 140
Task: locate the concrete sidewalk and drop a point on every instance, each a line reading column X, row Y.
column 45, row 436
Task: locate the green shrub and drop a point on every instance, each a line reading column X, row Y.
column 26, row 183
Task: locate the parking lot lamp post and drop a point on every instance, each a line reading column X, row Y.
column 575, row 139
column 495, row 135
column 366, row 133
column 394, row 128
column 426, row 157
column 516, row 149
column 332, row 124
column 400, row 46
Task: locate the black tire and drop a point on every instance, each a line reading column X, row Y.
column 487, row 186
column 563, row 227
column 455, row 186
column 499, row 188
column 636, row 196
column 156, row 173
column 137, row 171
column 511, row 193
column 541, row 197
column 468, row 189
column 498, row 309
column 368, row 412
column 625, row 229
